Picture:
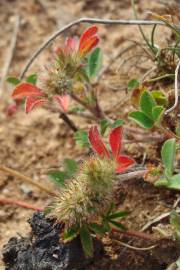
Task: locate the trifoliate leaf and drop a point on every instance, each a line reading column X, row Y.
column 141, row 119
column 147, row 103
column 168, row 152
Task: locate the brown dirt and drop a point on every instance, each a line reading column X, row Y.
column 36, row 143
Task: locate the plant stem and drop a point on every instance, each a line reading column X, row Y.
column 160, row 78
column 85, row 20
column 141, row 30
column 169, row 133
column 26, row 179
column 95, row 110
column 68, row 121
column 20, row 203
column 132, row 175
column 137, row 234
column 133, row 247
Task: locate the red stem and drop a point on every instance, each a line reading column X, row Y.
column 137, row 234
column 20, row 203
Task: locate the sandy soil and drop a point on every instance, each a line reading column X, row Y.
column 36, row 143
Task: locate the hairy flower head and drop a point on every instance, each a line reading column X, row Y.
column 88, row 195
column 61, row 75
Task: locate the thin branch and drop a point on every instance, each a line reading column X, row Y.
column 26, row 179
column 10, row 54
column 175, row 90
column 68, row 121
column 112, row 60
column 168, row 132
column 63, row 115
column 147, row 73
column 133, row 247
column 132, row 175
column 20, row 203
column 157, row 219
column 136, row 234
column 85, row 20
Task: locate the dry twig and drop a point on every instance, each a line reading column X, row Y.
column 85, row 20
column 26, row 179
column 157, row 219
column 10, row 54
column 175, row 90
column 20, row 203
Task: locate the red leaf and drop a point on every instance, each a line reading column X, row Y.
column 33, row 102
column 115, row 141
column 124, row 162
column 88, row 33
column 63, row 101
column 97, row 143
column 26, row 90
column 88, row 45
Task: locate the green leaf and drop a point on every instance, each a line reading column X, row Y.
column 178, row 262
column 13, row 80
column 86, row 241
column 82, row 76
column 132, row 84
column 177, row 147
column 81, row 138
column 174, row 182
column 58, row 177
column 111, row 207
column 159, row 97
column 168, row 152
column 178, row 130
column 71, row 233
column 32, row 78
column 175, row 221
column 98, row 229
column 106, row 225
column 118, row 215
column 103, row 126
column 47, row 210
column 70, row 166
column 117, row 123
column 76, row 109
column 161, row 182
column 94, row 63
column 147, row 103
column 157, row 113
column 141, row 119
column 117, row 225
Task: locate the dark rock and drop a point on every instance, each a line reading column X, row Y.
column 45, row 250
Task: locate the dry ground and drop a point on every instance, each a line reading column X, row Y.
column 33, row 144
